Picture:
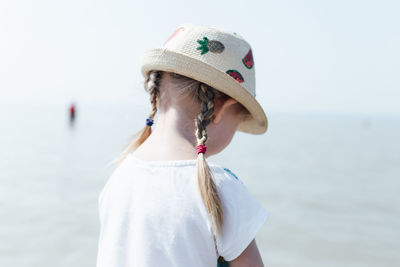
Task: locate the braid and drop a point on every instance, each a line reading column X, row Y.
column 151, row 85
column 206, row 96
column 207, row 187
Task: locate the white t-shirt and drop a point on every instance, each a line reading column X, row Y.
column 152, row 214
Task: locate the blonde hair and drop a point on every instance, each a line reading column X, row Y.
column 206, row 96
column 151, row 85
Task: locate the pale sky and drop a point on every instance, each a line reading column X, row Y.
column 330, row 56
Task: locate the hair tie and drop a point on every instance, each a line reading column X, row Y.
column 149, row 121
column 201, row 149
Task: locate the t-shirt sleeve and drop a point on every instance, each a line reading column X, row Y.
column 243, row 217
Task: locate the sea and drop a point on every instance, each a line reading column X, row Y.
column 330, row 181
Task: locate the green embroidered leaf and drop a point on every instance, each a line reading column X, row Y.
column 203, row 45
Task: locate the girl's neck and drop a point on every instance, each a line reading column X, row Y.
column 172, row 139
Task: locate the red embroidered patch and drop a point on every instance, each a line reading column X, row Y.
column 235, row 75
column 248, row 60
column 174, row 34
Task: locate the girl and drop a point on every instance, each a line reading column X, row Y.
column 165, row 205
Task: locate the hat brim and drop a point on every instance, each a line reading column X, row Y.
column 166, row 60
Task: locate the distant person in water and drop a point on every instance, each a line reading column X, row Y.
column 72, row 111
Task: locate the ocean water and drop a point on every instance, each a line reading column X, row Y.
column 331, row 183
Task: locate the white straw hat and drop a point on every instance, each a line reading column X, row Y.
column 216, row 57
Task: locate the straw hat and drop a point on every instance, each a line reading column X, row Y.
column 215, row 57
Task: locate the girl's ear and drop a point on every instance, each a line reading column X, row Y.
column 220, row 106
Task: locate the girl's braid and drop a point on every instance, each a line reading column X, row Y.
column 208, row 189
column 206, row 95
column 152, row 86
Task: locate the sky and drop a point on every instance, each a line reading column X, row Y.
column 310, row 56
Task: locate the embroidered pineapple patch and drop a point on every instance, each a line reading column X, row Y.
column 235, row 75
column 213, row 46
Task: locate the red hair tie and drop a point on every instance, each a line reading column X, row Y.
column 201, row 149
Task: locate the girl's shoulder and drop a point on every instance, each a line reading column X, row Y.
column 222, row 175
